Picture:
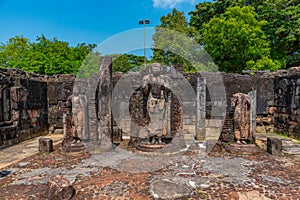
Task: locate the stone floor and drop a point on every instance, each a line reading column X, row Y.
column 121, row 174
column 290, row 147
column 18, row 152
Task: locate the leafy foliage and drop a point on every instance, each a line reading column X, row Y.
column 265, row 63
column 205, row 11
column 170, row 40
column 235, row 38
column 89, row 66
column 45, row 56
column 127, row 62
column 282, row 27
column 51, row 56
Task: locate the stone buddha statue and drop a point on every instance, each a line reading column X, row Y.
column 155, row 86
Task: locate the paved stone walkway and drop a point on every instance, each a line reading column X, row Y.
column 189, row 174
column 24, row 149
column 290, row 147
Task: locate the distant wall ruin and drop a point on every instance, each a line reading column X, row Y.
column 31, row 105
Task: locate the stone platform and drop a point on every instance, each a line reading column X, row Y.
column 71, row 147
column 126, row 175
column 244, row 149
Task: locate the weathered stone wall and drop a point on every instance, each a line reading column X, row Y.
column 23, row 106
column 219, row 89
column 30, row 104
column 286, row 111
column 60, row 87
column 87, row 89
column 262, row 82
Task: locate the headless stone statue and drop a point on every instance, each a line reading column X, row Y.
column 242, row 118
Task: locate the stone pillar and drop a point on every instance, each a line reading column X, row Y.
column 252, row 96
column 201, row 109
column 93, row 121
column 104, row 94
column 169, row 134
column 64, row 124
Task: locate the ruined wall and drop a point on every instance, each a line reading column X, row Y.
column 60, row 87
column 31, row 104
column 23, row 106
column 219, row 90
column 286, row 111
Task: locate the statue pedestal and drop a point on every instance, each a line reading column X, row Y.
column 149, row 147
column 72, row 148
column 242, row 149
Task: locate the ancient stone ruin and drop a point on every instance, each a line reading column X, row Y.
column 110, row 107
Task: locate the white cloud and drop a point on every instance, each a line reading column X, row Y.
column 170, row 3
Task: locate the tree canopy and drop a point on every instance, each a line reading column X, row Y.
column 52, row 56
column 237, row 34
column 127, row 62
column 240, row 34
column 235, row 39
column 170, row 39
column 44, row 56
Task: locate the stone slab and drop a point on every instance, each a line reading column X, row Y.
column 242, row 149
column 166, row 189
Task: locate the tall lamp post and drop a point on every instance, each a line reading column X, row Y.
column 144, row 22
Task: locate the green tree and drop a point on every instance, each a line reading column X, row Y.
column 126, row 62
column 89, row 66
column 44, row 56
column 205, row 11
column 12, row 54
column 235, row 38
column 282, row 29
column 169, row 39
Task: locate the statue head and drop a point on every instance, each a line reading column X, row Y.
column 156, row 68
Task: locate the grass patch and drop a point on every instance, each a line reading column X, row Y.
column 297, row 141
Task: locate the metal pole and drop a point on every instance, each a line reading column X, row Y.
column 144, row 44
column 144, row 22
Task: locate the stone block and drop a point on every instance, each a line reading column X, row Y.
column 45, row 145
column 274, row 146
column 60, row 188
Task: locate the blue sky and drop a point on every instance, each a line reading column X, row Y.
column 78, row 21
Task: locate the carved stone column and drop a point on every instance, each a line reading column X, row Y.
column 201, row 108
column 104, row 93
